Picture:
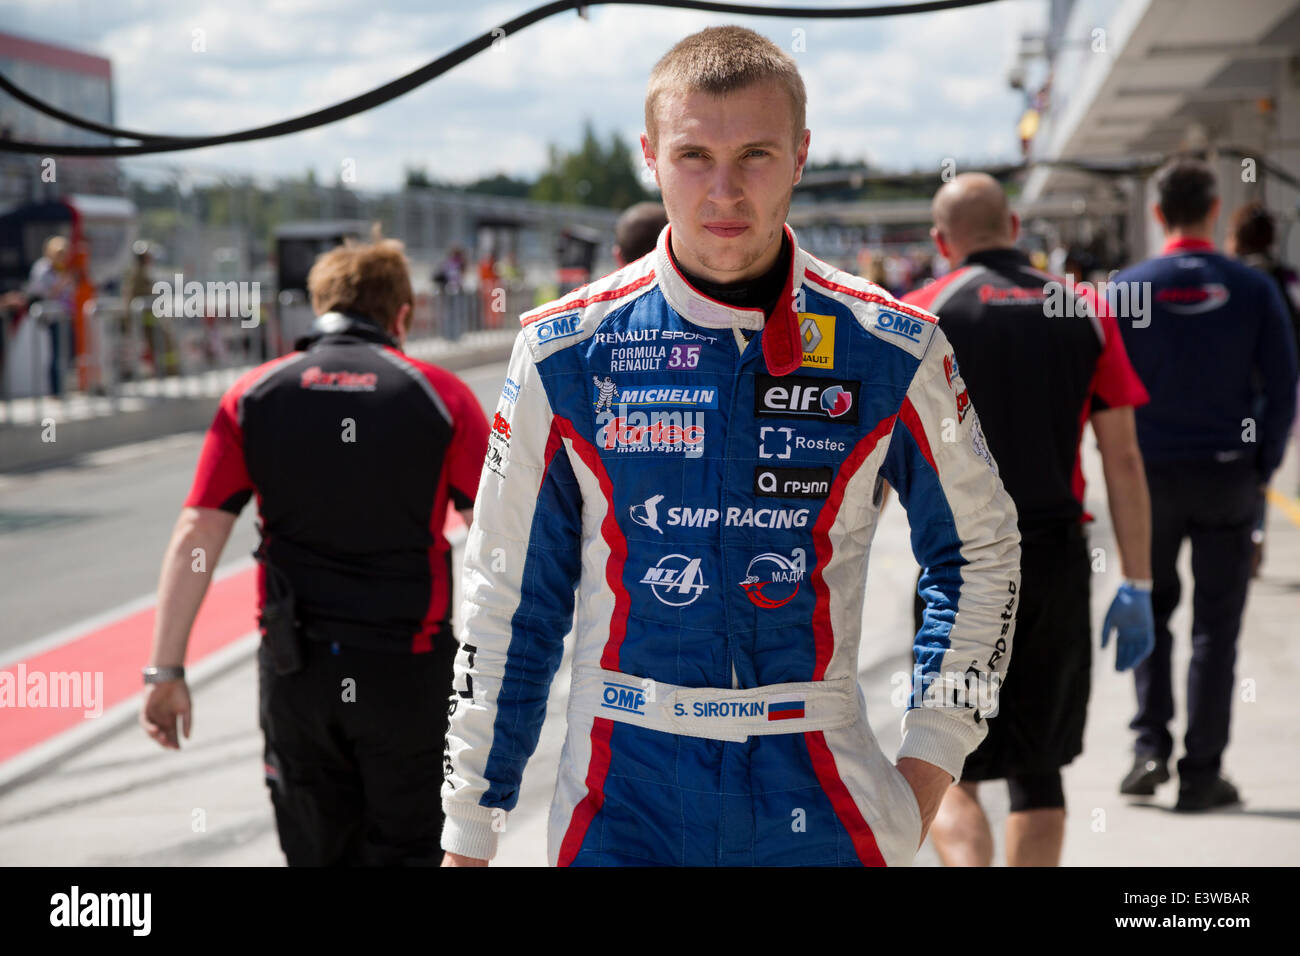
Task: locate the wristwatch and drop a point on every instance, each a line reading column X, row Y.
column 160, row 675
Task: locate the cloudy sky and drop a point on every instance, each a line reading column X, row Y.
column 903, row 92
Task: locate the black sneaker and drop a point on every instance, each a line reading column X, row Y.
column 1147, row 772
column 1217, row 793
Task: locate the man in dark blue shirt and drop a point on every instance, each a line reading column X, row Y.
column 1214, row 348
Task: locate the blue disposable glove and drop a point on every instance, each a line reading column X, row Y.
column 1130, row 614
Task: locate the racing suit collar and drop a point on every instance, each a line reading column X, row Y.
column 345, row 323
column 1184, row 244
column 782, row 348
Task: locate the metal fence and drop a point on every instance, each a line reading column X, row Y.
column 130, row 354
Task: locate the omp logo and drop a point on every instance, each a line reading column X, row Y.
column 818, row 335
column 772, row 580
column 557, row 328
column 622, row 697
column 676, row 580
column 807, row 397
column 899, row 324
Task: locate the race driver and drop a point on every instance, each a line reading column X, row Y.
column 715, row 523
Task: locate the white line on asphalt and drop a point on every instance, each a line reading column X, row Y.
column 73, row 631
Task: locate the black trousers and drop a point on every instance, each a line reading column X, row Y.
column 1213, row 504
column 1043, row 702
column 354, row 745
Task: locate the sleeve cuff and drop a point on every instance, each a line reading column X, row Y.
column 939, row 738
column 468, row 831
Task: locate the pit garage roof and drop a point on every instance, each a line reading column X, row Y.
column 1174, row 74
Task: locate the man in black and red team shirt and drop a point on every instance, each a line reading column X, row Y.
column 1039, row 362
column 354, row 450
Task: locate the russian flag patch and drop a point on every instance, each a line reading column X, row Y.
column 786, row 710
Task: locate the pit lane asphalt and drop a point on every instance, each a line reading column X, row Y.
column 80, row 540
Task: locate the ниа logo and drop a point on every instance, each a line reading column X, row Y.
column 772, row 580
column 676, row 580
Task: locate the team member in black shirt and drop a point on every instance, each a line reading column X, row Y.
column 1039, row 362
column 354, row 450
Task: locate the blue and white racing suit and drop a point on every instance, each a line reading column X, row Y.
column 714, row 523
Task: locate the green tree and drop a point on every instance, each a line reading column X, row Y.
column 596, row 174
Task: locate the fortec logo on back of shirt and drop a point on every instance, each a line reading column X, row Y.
column 807, row 397
column 1189, row 300
column 338, row 381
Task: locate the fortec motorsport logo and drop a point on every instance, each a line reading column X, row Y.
column 624, row 427
column 807, row 397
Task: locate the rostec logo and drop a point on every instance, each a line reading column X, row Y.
column 676, row 580
column 774, row 442
column 792, row 482
column 623, row 697
column 772, row 580
column 807, row 397
column 557, row 328
column 635, row 431
column 899, row 324
column 818, row 335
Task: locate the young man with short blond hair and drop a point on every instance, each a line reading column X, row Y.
column 713, row 510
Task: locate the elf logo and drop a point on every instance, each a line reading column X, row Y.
column 807, row 397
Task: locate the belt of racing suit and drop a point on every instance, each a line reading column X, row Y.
column 714, row 713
